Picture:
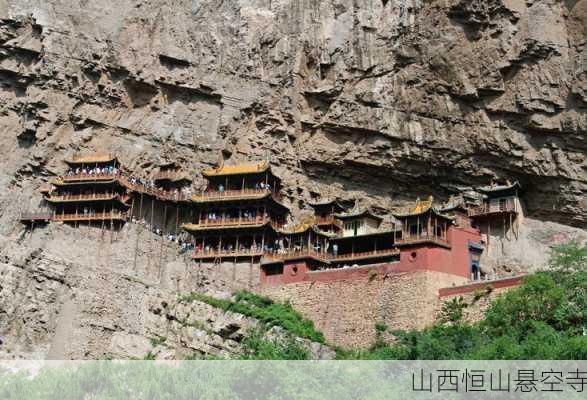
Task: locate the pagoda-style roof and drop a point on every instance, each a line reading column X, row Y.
column 327, row 205
column 422, row 207
column 358, row 214
column 91, row 159
column 508, row 189
column 224, row 225
column 303, row 228
column 238, row 169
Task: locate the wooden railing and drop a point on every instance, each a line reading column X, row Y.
column 365, row 254
column 233, row 221
column 287, row 255
column 36, row 216
column 155, row 192
column 103, row 216
column 227, row 253
column 233, row 194
column 84, row 197
column 422, row 238
column 88, row 177
column 329, row 220
column 493, row 207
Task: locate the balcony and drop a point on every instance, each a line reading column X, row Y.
column 363, row 255
column 36, row 216
column 501, row 207
column 422, row 238
column 72, row 198
column 87, row 178
column 213, row 254
column 103, row 216
column 153, row 191
column 329, row 220
column 227, row 195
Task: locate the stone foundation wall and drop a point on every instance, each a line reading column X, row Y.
column 478, row 296
column 346, row 310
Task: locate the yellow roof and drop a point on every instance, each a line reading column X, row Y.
column 238, row 169
column 422, row 205
column 91, row 159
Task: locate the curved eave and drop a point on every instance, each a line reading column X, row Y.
column 359, row 215
column 203, row 228
column 84, row 182
column 488, row 190
column 89, row 160
column 429, row 209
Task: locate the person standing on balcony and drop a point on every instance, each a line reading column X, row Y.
column 335, row 250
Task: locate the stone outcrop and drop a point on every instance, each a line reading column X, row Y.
column 378, row 100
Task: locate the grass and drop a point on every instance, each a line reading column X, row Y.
column 264, row 310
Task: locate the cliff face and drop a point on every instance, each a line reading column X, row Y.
column 391, row 99
column 382, row 100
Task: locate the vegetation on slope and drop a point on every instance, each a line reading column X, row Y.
column 544, row 318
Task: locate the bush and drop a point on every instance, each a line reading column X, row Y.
column 264, row 310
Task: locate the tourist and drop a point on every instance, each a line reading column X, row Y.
column 335, row 250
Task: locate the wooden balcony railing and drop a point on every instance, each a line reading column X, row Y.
column 227, row 253
column 36, row 216
column 233, row 221
column 234, row 194
column 408, row 239
column 493, row 208
column 88, row 177
column 152, row 191
column 84, row 197
column 329, row 220
column 363, row 255
column 103, row 216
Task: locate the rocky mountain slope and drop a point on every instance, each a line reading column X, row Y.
column 382, row 100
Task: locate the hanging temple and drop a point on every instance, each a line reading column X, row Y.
column 239, row 216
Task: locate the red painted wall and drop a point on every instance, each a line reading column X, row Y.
column 422, row 256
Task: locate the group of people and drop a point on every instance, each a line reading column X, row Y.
column 110, row 170
column 181, row 239
column 228, row 248
column 258, row 186
column 246, row 215
column 149, row 185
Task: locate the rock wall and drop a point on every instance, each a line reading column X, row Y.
column 346, row 310
column 377, row 100
column 75, row 293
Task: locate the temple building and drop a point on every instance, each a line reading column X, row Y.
column 362, row 240
column 239, row 217
column 171, row 178
column 238, row 213
column 89, row 192
column 324, row 215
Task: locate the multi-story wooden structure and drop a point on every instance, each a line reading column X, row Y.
column 324, row 215
column 238, row 213
column 89, row 192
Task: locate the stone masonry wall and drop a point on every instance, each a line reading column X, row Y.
column 347, row 310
